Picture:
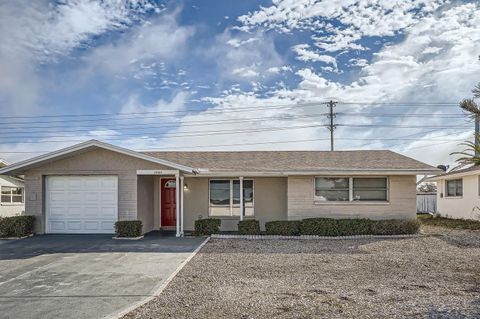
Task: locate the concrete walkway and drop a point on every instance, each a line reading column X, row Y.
column 84, row 276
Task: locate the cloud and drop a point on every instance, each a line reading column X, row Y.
column 159, row 40
column 398, row 72
column 305, row 54
column 35, row 33
column 356, row 19
column 243, row 57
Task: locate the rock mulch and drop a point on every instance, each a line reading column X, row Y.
column 436, row 276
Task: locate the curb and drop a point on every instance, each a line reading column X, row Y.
column 17, row 238
column 158, row 290
column 127, row 238
column 314, row 237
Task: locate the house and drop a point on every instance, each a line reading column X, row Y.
column 458, row 193
column 87, row 187
column 11, row 194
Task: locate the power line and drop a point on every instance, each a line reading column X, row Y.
column 83, row 127
column 203, row 146
column 266, row 107
column 169, row 113
column 170, row 135
column 146, row 126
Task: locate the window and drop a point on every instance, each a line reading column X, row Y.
column 370, row 189
column 454, row 188
column 225, row 197
column 345, row 189
column 12, row 194
column 332, row 189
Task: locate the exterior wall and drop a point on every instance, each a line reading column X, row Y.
column 97, row 161
column 145, row 202
column 401, row 204
column 11, row 209
column 464, row 207
column 270, row 195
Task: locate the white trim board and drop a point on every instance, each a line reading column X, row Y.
column 87, row 144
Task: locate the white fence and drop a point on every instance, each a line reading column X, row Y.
column 426, row 203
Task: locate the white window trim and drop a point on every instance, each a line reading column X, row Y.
column 446, row 188
column 11, row 202
column 351, row 200
column 231, row 198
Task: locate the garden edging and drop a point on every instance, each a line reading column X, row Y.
column 225, row 236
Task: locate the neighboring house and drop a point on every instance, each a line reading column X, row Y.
column 458, row 193
column 11, row 194
column 87, row 187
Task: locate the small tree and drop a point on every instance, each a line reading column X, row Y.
column 427, row 188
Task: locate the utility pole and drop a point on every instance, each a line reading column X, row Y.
column 477, row 131
column 331, row 126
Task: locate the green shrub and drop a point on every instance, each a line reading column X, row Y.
column 249, row 227
column 395, row 227
column 319, row 226
column 350, row 227
column 128, row 228
column 207, row 226
column 16, row 226
column 283, row 227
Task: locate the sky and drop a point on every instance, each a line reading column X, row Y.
column 238, row 75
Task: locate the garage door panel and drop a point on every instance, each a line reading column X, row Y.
column 105, row 226
column 81, row 204
column 74, row 225
column 108, row 197
column 91, row 196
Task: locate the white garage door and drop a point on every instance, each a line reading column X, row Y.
column 81, row 204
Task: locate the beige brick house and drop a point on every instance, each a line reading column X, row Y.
column 87, row 187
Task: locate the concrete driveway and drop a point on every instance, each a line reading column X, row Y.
column 84, row 276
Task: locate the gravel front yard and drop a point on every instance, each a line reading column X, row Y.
column 426, row 277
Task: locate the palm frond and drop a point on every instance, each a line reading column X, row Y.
column 470, row 155
column 476, row 91
column 470, row 107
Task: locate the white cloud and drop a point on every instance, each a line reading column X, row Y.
column 399, row 72
column 159, row 40
column 243, row 57
column 277, row 69
column 357, row 19
column 177, row 103
column 246, row 72
column 35, row 32
column 305, row 54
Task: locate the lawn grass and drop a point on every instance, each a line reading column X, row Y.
column 430, row 220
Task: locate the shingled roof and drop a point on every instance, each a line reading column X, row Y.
column 458, row 172
column 295, row 161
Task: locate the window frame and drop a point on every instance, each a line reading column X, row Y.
column 351, row 200
column 231, row 205
column 348, row 189
column 11, row 202
column 446, row 188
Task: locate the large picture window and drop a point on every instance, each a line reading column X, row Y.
column 345, row 189
column 332, row 189
column 370, row 189
column 11, row 194
column 225, row 197
column 454, row 188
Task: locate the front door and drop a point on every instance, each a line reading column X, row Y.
column 168, row 196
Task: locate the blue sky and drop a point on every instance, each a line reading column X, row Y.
column 237, row 75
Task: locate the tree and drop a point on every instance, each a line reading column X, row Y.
column 427, row 188
column 470, row 153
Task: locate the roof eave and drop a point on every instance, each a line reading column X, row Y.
column 23, row 165
column 331, row 172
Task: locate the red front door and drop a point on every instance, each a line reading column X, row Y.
column 168, row 201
